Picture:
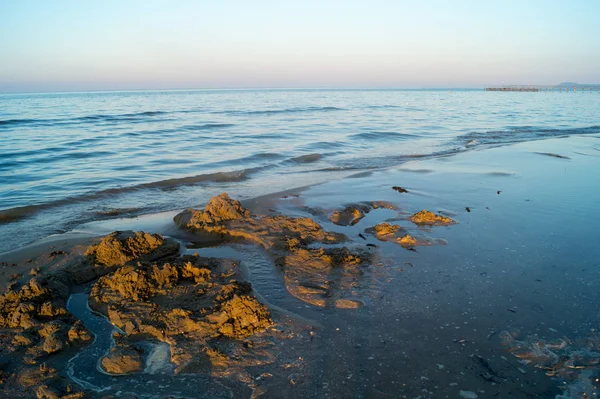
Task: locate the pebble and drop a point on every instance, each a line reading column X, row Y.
column 467, row 394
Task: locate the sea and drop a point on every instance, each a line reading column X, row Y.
column 71, row 158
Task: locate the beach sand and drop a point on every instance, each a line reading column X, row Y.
column 502, row 303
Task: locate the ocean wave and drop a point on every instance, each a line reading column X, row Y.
column 377, row 135
column 282, row 111
column 382, row 106
column 127, row 117
column 520, row 134
column 325, row 145
column 184, row 128
column 308, row 158
column 118, row 211
column 206, row 126
column 10, row 122
column 17, row 213
column 258, row 157
column 56, row 154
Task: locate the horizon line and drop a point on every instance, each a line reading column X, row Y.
column 242, row 88
column 374, row 88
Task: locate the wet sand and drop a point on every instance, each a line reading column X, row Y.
column 503, row 303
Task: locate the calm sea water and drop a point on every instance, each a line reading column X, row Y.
column 70, row 158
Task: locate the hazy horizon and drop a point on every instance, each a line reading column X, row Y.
column 67, row 45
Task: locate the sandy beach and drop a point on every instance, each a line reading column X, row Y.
column 344, row 293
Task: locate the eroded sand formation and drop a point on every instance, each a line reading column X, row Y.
column 350, row 215
column 317, row 275
column 37, row 331
column 39, row 334
column 426, row 217
column 392, row 232
column 200, row 307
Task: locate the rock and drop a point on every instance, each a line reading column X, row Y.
column 36, row 323
column 52, row 344
column 46, row 392
column 291, row 241
column 49, row 392
column 23, row 316
column 24, row 339
column 122, row 360
column 201, row 307
column 78, row 333
column 49, row 309
column 349, row 216
column 383, row 205
column 384, row 231
column 225, row 219
column 425, row 217
column 218, row 210
column 35, row 376
column 52, row 327
column 121, row 247
column 118, row 249
column 407, row 241
column 241, row 317
column 399, row 189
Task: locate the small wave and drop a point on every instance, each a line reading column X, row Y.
column 56, row 154
column 8, row 165
column 205, row 126
column 308, row 158
column 261, row 156
column 383, row 136
column 283, row 111
column 324, row 145
column 9, row 122
column 368, row 163
column 340, row 169
column 183, row 128
column 382, row 106
column 26, row 153
column 81, row 119
column 120, row 116
column 520, row 134
column 118, row 211
column 14, row 214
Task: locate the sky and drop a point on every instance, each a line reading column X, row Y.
column 71, row 45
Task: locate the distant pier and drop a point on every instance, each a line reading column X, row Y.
column 558, row 88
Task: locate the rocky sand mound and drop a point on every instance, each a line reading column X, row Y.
column 199, row 306
column 317, row 275
column 38, row 333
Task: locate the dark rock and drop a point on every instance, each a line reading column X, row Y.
column 122, row 360
column 349, row 216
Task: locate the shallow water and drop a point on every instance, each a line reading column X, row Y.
column 66, row 159
column 522, row 261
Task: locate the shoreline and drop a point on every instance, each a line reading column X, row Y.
column 259, row 175
column 475, row 296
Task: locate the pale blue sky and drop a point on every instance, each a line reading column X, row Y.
column 63, row 45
